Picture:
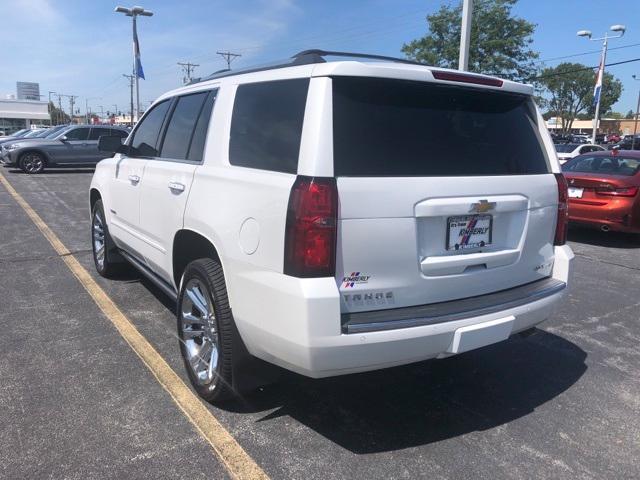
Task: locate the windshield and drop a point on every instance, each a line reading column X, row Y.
column 602, row 165
column 566, row 147
column 20, row 133
column 385, row 127
column 52, row 132
column 33, row 133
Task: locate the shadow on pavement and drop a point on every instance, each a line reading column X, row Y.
column 603, row 239
column 55, row 171
column 422, row 403
column 431, row 401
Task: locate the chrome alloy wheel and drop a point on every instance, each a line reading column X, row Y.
column 98, row 239
column 199, row 332
column 32, row 162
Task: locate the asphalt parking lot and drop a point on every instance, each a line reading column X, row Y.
column 77, row 402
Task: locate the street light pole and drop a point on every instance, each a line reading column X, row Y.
column 603, row 61
column 133, row 12
column 465, row 35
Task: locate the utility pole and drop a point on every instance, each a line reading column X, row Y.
column 59, row 95
column 229, row 57
column 72, row 101
column 465, row 35
column 187, row 68
column 130, row 77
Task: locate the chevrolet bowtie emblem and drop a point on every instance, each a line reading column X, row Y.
column 482, row 206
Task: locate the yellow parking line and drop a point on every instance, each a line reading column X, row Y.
column 239, row 464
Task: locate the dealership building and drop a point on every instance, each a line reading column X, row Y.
column 18, row 114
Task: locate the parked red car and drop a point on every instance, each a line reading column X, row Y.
column 604, row 190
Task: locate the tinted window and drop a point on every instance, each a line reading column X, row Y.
column 78, row 134
column 96, row 133
column 196, row 150
column 145, row 137
column 566, row 147
column 403, row 128
column 613, row 165
column 267, row 125
column 119, row 133
column 181, row 125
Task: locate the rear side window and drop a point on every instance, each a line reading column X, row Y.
column 196, row 151
column 177, row 138
column 96, row 133
column 119, row 133
column 78, row 134
column 402, row 128
column 266, row 126
column 145, row 137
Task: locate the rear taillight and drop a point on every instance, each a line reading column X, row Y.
column 563, row 211
column 617, row 192
column 310, row 237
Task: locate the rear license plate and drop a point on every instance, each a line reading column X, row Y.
column 469, row 231
column 575, row 192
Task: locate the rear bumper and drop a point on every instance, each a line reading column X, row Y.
column 296, row 324
column 618, row 214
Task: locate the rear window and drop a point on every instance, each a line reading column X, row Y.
column 602, row 165
column 566, row 147
column 266, row 125
column 403, row 128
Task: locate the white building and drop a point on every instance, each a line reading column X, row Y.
column 18, row 114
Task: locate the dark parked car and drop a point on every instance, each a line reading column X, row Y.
column 73, row 146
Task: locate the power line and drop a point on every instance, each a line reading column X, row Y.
column 566, row 72
column 229, row 57
column 187, row 68
column 590, row 52
column 131, row 83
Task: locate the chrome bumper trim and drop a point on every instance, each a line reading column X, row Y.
column 450, row 311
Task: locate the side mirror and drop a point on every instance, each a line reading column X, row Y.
column 63, row 138
column 112, row 144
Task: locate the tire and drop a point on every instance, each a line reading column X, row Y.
column 32, row 162
column 106, row 258
column 205, row 329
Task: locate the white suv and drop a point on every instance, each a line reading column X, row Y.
column 337, row 217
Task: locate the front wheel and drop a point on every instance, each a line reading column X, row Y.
column 31, row 162
column 205, row 327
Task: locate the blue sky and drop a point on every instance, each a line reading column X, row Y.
column 83, row 48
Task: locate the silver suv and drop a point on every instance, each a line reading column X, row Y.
column 73, row 146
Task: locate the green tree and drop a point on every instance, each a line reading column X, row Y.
column 500, row 42
column 568, row 90
column 57, row 116
column 629, row 115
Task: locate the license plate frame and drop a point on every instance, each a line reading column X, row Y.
column 469, row 245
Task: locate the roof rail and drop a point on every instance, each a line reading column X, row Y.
column 306, row 57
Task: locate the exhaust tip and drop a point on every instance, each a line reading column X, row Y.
column 605, row 228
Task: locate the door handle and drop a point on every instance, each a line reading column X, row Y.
column 176, row 186
column 134, row 179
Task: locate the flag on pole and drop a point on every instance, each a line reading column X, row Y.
column 136, row 52
column 598, row 88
